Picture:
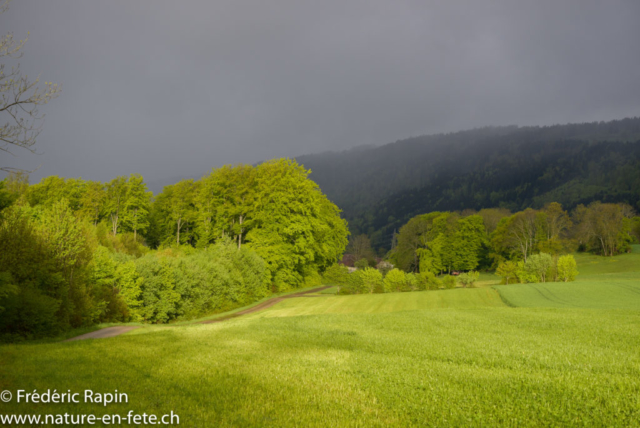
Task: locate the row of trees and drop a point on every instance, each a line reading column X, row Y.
column 369, row 280
column 73, row 253
column 444, row 242
column 123, row 203
column 539, row 268
column 57, row 272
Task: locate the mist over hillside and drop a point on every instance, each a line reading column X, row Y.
column 380, row 188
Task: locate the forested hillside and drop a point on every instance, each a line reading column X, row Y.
column 379, row 189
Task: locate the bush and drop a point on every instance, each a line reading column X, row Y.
column 524, row 275
column 44, row 270
column 336, row 274
column 538, row 265
column 394, row 281
column 384, row 267
column 449, row 281
column 508, row 270
column 364, row 281
column 372, row 280
column 361, row 264
column 354, row 284
column 411, row 282
column 469, row 279
column 311, row 277
column 217, row 279
column 428, row 281
column 567, row 268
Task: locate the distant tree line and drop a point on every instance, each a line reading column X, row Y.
column 368, row 280
column 76, row 252
column 441, row 250
column 514, row 168
column 444, row 242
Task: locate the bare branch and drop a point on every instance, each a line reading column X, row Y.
column 20, row 120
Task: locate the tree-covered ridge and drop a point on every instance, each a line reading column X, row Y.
column 76, row 252
column 381, row 188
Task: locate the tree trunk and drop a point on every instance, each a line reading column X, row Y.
column 114, row 223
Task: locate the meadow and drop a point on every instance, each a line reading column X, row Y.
column 458, row 357
column 603, row 283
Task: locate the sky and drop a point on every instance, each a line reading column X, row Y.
column 171, row 89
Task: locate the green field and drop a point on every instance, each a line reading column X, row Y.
column 607, row 291
column 383, row 303
column 436, row 358
column 603, row 283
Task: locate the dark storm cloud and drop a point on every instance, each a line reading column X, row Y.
column 170, row 89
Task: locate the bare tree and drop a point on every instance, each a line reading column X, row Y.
column 605, row 226
column 492, row 216
column 557, row 220
column 360, row 247
column 521, row 234
column 20, row 97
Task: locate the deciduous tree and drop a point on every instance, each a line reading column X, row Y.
column 116, row 201
column 137, row 204
column 567, row 268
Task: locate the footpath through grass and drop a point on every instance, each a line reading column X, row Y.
column 436, row 358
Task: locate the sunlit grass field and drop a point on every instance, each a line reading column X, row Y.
column 607, row 291
column 382, row 303
column 436, row 358
column 603, row 283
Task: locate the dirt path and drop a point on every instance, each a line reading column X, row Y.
column 116, row 331
column 265, row 305
column 105, row 332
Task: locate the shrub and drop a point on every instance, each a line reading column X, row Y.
column 432, row 281
column 428, row 281
column 525, row 276
column 537, row 266
column 449, row 281
column 378, row 288
column 421, row 281
column 372, row 280
column 354, row 284
column 394, row 281
column 567, row 268
column 220, row 278
column 336, row 274
column 411, row 282
column 361, row 264
column 311, row 276
column 44, row 269
column 384, row 267
column 508, row 270
column 468, row 279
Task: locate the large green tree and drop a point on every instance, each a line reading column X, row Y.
column 93, row 202
column 137, row 205
column 116, row 200
column 295, row 228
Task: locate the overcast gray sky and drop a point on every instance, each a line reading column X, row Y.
column 172, row 88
